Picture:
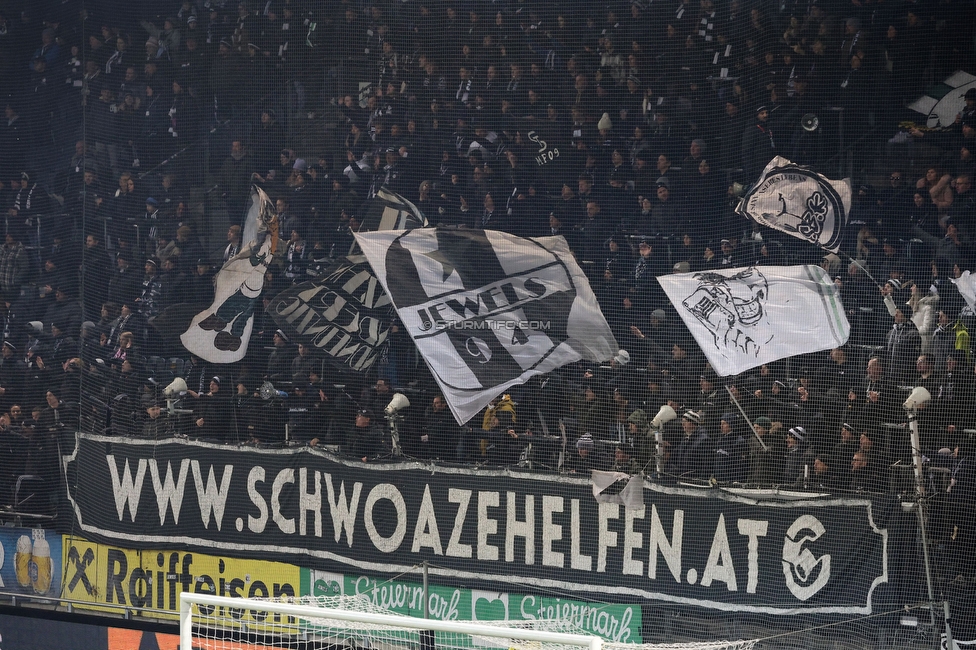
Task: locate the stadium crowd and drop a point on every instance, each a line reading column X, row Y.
column 630, row 128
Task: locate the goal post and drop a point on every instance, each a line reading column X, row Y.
column 224, row 614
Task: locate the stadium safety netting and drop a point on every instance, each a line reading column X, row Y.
column 653, row 313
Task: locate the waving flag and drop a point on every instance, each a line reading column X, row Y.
column 486, row 309
column 800, row 202
column 745, row 317
column 221, row 332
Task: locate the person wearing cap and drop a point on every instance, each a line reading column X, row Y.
column 168, row 38
column 364, row 440
column 731, row 458
column 766, row 451
column 691, row 458
column 798, row 463
column 589, row 456
column 841, row 454
column 758, row 145
column 709, row 401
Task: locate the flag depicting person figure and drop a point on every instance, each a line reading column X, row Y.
column 220, row 333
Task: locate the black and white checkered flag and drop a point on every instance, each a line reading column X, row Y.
column 488, row 310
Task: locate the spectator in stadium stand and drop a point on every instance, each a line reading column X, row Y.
column 766, row 451
column 439, row 434
column 731, row 459
column 126, row 283
column 14, row 265
column 841, row 454
column 692, row 456
column 799, row 458
column 11, row 375
column 864, row 475
column 588, row 457
column 279, row 361
column 304, row 362
column 904, row 343
column 364, row 440
column 213, row 413
column 759, row 145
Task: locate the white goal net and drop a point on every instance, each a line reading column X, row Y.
column 353, row 623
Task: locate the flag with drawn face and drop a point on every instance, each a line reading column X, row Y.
column 745, row 317
column 800, row 202
column 488, row 310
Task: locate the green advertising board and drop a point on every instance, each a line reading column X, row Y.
column 614, row 622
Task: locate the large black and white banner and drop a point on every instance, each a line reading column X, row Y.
column 799, row 202
column 488, row 310
column 344, row 314
column 745, row 317
column 732, row 551
column 390, row 211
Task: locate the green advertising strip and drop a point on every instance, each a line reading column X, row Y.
column 614, row 622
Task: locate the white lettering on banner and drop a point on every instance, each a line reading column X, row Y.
column 551, row 532
column 719, row 565
column 454, row 546
column 255, row 476
column 567, row 538
column 581, row 615
column 670, row 551
column 577, row 560
column 425, row 533
column 388, row 492
column 209, row 496
column 285, row 524
column 486, row 526
column 309, row 502
column 606, row 538
column 633, row 540
column 515, row 528
column 126, row 489
column 169, row 495
column 343, row 512
column 754, row 530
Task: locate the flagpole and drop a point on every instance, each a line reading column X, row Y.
column 746, row 417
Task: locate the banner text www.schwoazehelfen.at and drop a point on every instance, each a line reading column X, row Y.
column 711, row 548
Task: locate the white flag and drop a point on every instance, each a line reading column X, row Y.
column 966, row 284
column 745, row 317
column 800, row 202
column 618, row 487
column 221, row 332
column 488, row 310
